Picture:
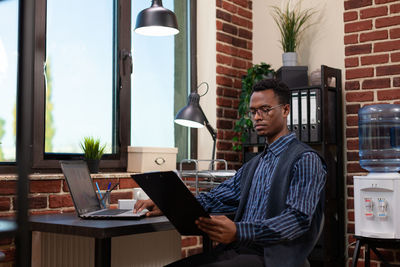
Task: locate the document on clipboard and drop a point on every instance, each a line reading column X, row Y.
column 304, row 133
column 295, row 113
column 315, row 115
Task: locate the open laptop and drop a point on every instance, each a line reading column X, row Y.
column 84, row 196
column 173, row 198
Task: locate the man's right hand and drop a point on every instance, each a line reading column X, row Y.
column 147, row 204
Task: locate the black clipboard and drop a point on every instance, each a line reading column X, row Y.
column 174, row 199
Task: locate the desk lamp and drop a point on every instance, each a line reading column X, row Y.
column 193, row 116
column 156, row 21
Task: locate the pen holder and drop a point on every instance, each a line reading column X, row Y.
column 105, row 200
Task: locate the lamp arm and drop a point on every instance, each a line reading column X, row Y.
column 212, row 131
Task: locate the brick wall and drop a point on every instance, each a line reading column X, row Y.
column 372, row 75
column 234, row 56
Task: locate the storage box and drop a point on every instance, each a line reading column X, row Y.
column 293, row 76
column 145, row 159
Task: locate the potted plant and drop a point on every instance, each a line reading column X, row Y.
column 291, row 23
column 93, row 152
column 244, row 126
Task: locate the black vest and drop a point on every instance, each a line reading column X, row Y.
column 290, row 253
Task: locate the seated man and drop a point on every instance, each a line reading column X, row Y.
column 277, row 196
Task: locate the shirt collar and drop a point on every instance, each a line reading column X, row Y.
column 280, row 144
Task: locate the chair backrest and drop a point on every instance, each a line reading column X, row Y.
column 321, row 228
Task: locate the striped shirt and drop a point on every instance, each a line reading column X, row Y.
column 302, row 199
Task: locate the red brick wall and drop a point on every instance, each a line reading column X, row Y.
column 372, row 75
column 234, row 56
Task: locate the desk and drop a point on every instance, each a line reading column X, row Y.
column 372, row 244
column 101, row 230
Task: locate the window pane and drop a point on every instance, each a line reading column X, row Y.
column 8, row 78
column 79, row 73
column 152, row 85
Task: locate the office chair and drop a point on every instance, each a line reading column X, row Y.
column 321, row 228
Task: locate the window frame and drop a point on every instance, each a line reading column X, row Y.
column 122, row 91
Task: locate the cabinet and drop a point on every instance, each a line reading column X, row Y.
column 328, row 141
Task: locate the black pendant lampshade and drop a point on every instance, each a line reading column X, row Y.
column 156, row 21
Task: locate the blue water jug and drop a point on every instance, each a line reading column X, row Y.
column 379, row 137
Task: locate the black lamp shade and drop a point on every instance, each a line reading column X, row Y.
column 191, row 115
column 156, row 21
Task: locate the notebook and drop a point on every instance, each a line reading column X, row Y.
column 174, row 199
column 84, row 196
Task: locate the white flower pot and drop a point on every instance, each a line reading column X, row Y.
column 289, row 59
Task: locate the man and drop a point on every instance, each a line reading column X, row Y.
column 276, row 196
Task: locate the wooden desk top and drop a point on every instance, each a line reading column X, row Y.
column 70, row 223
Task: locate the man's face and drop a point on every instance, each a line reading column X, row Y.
column 269, row 117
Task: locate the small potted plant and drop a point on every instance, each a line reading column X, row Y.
column 244, row 126
column 93, row 152
column 291, row 23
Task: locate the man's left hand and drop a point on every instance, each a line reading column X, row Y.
column 218, row 228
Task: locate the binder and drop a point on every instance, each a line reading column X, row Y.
column 304, row 133
column 315, row 115
column 295, row 113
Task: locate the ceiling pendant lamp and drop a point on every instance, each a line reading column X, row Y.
column 156, row 21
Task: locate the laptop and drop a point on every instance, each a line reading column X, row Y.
column 84, row 196
column 174, row 199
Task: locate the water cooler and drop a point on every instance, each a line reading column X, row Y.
column 377, row 195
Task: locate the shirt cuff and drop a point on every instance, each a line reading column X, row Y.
column 245, row 233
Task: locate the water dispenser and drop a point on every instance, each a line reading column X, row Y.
column 377, row 195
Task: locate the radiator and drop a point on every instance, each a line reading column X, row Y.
column 141, row 250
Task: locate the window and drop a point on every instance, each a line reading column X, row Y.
column 160, row 82
column 80, row 89
column 8, row 78
column 82, row 80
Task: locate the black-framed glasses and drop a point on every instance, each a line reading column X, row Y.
column 262, row 111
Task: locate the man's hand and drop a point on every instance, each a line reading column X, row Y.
column 147, row 204
column 218, row 228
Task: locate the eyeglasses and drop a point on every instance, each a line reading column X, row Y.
column 261, row 111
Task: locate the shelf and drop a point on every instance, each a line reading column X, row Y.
column 205, row 178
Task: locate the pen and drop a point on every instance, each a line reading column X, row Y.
column 101, row 197
column 114, row 187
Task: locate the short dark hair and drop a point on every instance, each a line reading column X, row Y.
column 281, row 90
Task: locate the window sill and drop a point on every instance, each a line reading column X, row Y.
column 60, row 176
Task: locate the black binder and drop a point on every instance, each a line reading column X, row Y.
column 304, row 116
column 295, row 118
column 315, row 115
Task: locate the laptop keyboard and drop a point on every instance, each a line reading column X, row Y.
column 110, row 212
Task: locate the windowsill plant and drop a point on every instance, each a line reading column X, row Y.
column 244, row 126
column 93, row 152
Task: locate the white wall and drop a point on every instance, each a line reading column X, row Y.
column 206, row 71
column 322, row 43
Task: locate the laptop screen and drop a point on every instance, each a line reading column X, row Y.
column 80, row 186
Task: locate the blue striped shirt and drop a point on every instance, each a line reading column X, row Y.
column 302, row 199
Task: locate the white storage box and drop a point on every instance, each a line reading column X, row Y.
column 145, row 159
